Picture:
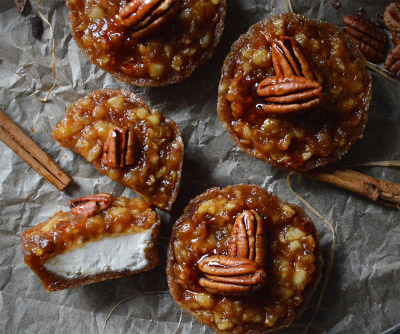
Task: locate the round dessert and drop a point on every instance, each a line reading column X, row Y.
column 147, row 42
column 234, row 241
column 294, row 92
column 127, row 140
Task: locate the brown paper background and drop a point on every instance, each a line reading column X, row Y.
column 363, row 294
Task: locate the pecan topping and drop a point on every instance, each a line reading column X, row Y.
column 370, row 38
column 242, row 271
column 296, row 86
column 392, row 62
column 392, row 20
column 88, row 206
column 288, row 59
column 119, row 148
column 247, row 240
column 291, row 94
column 147, row 16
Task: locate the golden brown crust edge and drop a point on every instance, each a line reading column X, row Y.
column 176, row 77
column 223, row 106
column 188, row 212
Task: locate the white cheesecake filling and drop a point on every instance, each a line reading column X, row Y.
column 109, row 254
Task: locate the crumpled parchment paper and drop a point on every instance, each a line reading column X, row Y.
column 363, row 294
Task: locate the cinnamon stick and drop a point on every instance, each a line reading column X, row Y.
column 31, row 153
column 382, row 192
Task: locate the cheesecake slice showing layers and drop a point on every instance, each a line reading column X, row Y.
column 101, row 238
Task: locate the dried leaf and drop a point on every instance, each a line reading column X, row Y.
column 336, row 4
column 20, row 5
column 37, row 26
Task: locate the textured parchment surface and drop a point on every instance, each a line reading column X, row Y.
column 363, row 293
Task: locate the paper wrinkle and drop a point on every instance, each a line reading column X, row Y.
column 363, row 294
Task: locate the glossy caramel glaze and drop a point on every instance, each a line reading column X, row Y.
column 156, row 173
column 293, row 262
column 65, row 231
column 165, row 57
column 305, row 140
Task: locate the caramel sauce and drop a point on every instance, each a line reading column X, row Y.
column 168, row 56
column 293, row 263
column 156, row 173
column 304, row 140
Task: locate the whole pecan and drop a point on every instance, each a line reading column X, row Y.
column 88, row 206
column 289, row 59
column 370, row 38
column 392, row 62
column 289, row 94
column 119, row 148
column 392, row 20
column 242, row 271
column 144, row 17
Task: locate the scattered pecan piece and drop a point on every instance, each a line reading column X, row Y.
column 119, row 148
column 392, row 20
column 288, row 59
column 290, row 94
column 371, row 39
column 88, row 206
column 392, row 62
column 242, row 271
column 144, row 17
column 37, row 26
column 20, row 5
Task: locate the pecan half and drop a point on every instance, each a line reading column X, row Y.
column 242, row 271
column 231, row 276
column 392, row 62
column 289, row 59
column 145, row 17
column 290, row 94
column 247, row 237
column 370, row 38
column 88, row 206
column 119, row 148
column 392, row 20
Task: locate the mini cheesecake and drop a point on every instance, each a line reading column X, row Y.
column 101, row 238
column 127, row 140
column 295, row 92
column 241, row 260
column 147, row 42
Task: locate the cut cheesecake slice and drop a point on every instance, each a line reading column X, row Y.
column 128, row 141
column 101, row 238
